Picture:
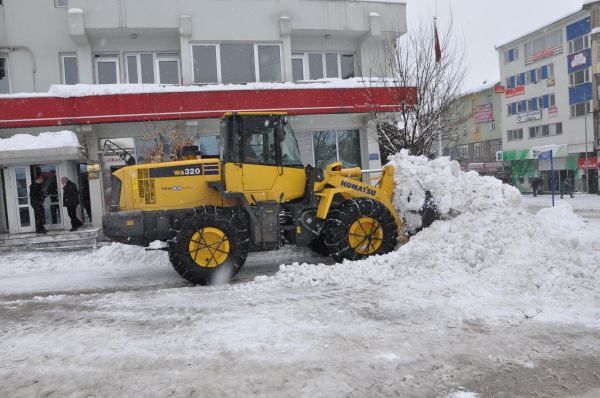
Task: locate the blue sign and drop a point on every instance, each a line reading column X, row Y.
column 373, row 156
column 545, row 155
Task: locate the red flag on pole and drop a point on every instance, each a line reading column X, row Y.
column 438, row 47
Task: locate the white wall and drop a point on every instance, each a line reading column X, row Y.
column 42, row 31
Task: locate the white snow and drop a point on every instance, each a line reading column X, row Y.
column 490, row 258
column 42, row 141
column 85, row 90
column 75, row 11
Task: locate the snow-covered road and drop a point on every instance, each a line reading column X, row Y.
column 497, row 302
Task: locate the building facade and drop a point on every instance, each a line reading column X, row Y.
column 550, row 102
column 199, row 43
column 479, row 139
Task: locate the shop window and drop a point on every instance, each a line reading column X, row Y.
column 209, row 145
column 107, row 68
column 337, row 145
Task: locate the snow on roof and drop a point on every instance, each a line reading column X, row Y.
column 540, row 29
column 595, row 30
column 75, row 11
column 86, row 90
column 48, row 140
column 483, row 87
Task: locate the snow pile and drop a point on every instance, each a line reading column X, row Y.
column 86, row 90
column 42, row 141
column 560, row 220
column 453, row 191
column 492, row 258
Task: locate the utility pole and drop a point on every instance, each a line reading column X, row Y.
column 587, row 174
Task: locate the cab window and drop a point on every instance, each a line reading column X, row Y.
column 290, row 154
column 259, row 141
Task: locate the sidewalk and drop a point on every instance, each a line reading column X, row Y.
column 581, row 202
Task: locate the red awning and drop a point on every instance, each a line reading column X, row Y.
column 54, row 111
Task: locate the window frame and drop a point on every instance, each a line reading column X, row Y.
column 337, row 143
column 6, row 56
column 107, row 57
column 255, row 45
column 58, row 5
column 63, row 70
column 157, row 57
column 304, row 55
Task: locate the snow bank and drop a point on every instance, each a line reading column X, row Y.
column 453, row 191
column 42, row 141
column 489, row 258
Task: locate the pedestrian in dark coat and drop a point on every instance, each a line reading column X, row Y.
column 71, row 201
column 565, row 187
column 36, row 200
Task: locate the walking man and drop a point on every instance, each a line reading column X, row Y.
column 36, row 199
column 70, row 201
column 565, row 187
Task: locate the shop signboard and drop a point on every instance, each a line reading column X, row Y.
column 551, row 81
column 514, row 92
column 558, row 151
column 527, row 116
column 552, row 112
column 592, row 162
column 543, row 54
column 483, row 113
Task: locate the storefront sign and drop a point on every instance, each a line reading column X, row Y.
column 543, row 54
column 551, row 81
column 592, row 162
column 527, row 116
column 552, row 112
column 93, row 171
column 558, row 151
column 500, row 89
column 483, row 113
column 513, row 92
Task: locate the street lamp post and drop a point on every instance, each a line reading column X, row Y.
column 587, row 174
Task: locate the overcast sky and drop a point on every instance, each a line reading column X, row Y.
column 486, row 23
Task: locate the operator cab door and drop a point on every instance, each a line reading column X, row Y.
column 262, row 160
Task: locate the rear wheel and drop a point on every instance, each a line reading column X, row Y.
column 210, row 246
column 359, row 228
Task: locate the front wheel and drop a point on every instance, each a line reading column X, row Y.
column 210, row 246
column 360, row 228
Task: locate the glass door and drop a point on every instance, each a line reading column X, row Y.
column 52, row 189
column 26, row 221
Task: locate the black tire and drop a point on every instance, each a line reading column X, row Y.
column 318, row 246
column 235, row 231
column 340, row 221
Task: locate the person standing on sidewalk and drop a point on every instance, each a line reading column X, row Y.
column 70, row 201
column 565, row 187
column 36, row 199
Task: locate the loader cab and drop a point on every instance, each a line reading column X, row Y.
column 261, row 156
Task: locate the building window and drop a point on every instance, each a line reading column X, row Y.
column 236, row 63
column 477, row 150
column 313, row 66
column 490, row 99
column 552, row 100
column 4, row 74
column 69, row 69
column 551, row 70
column 492, row 126
column 107, row 68
column 61, row 3
column 514, row 135
column 337, row 145
column 579, row 77
column 269, row 63
column 509, row 109
column 579, row 44
column 297, row 67
column 580, row 109
column 535, row 49
column 511, row 55
column 150, row 68
column 545, row 130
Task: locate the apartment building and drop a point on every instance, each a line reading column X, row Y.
column 250, row 44
column 550, row 100
column 479, row 139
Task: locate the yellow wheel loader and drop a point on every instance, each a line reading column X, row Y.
column 257, row 196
